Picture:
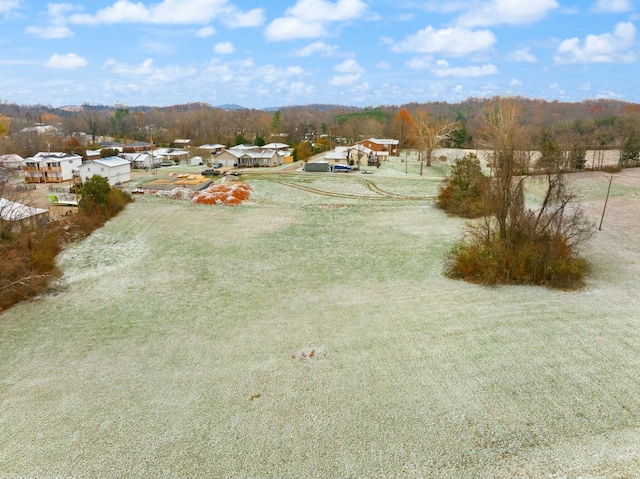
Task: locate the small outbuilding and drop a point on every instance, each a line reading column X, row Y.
column 20, row 216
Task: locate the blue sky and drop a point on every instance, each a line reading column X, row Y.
column 297, row 52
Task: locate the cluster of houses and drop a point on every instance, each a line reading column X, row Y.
column 58, row 167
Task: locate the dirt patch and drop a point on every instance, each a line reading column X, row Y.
column 223, row 194
column 176, row 180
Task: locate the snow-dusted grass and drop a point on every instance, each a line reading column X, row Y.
column 179, row 346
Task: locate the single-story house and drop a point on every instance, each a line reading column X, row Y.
column 171, row 154
column 142, row 161
column 137, row 146
column 213, row 148
column 22, row 216
column 11, row 160
column 92, row 154
column 383, row 147
column 182, row 143
column 276, row 146
column 112, row 145
column 50, row 167
column 117, row 170
column 340, row 153
column 251, row 157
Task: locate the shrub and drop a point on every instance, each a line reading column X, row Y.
column 529, row 257
column 464, row 192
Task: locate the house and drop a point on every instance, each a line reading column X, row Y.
column 276, row 146
column 171, row 154
column 361, row 155
column 340, row 153
column 182, row 143
column 137, row 146
column 117, row 170
column 50, row 167
column 249, row 157
column 11, row 161
column 112, row 145
column 20, row 216
column 213, row 148
column 383, row 147
column 92, row 154
column 142, row 161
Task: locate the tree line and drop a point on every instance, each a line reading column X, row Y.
column 598, row 125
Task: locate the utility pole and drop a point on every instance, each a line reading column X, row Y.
column 605, row 203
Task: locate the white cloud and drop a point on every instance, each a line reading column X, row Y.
column 289, row 28
column 511, row 12
column 223, row 48
column 352, row 73
column 616, row 47
column 274, row 74
column 70, row 60
column 50, row 32
column 523, row 55
column 447, row 41
column 555, row 89
column 171, row 12
column 148, row 72
column 309, row 18
column 7, row 5
column 444, row 70
column 612, row 6
column 301, row 89
column 205, row 32
column 145, row 68
column 237, row 19
column 419, row 63
column 349, row 66
column 341, row 80
column 515, row 82
column 317, row 48
column 382, row 65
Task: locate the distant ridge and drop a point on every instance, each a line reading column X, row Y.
column 231, row 106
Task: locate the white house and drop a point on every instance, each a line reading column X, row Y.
column 171, row 154
column 213, row 148
column 116, row 170
column 142, row 161
column 18, row 216
column 11, row 161
column 249, row 157
column 48, row 167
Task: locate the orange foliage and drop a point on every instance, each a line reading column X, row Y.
column 231, row 195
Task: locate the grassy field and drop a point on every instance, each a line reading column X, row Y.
column 310, row 332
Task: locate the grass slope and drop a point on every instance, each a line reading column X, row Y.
column 309, row 335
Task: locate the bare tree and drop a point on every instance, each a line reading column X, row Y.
column 429, row 134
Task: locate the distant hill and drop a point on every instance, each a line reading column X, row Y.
column 231, row 106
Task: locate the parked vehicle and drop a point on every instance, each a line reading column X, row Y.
column 210, row 172
column 344, row 168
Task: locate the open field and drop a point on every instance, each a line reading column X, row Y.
column 309, row 332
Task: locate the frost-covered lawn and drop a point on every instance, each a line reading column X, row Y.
column 310, row 335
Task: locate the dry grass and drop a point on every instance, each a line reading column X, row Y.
column 176, row 348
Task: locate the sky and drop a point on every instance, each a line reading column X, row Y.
column 264, row 54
